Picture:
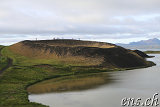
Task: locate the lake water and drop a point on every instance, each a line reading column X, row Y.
column 139, row 83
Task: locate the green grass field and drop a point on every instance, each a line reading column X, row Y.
column 3, row 62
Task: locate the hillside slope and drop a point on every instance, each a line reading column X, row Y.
column 83, row 53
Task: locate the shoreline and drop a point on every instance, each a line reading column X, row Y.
column 93, row 74
column 152, row 52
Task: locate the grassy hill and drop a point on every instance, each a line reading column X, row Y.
column 36, row 61
column 79, row 53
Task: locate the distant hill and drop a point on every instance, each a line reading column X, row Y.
column 143, row 44
column 84, row 53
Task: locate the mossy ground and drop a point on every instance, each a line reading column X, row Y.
column 3, row 60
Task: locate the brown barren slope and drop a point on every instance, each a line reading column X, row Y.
column 86, row 53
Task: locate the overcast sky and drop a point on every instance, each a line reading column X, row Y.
column 102, row 20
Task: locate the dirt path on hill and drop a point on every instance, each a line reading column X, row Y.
column 9, row 64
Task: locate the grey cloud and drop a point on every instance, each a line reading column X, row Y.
column 97, row 18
